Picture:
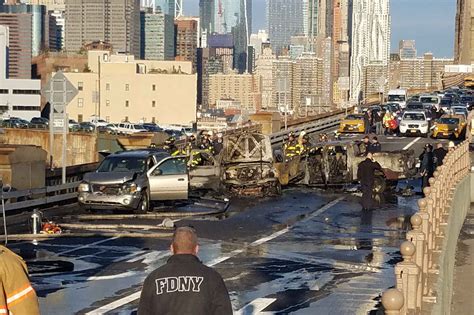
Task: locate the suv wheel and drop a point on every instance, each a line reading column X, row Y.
column 144, row 204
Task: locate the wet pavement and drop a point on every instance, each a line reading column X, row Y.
column 305, row 252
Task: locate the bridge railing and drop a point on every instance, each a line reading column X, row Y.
column 424, row 277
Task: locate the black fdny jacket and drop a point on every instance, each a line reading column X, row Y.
column 366, row 171
column 184, row 286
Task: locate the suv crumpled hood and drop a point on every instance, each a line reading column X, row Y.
column 109, row 178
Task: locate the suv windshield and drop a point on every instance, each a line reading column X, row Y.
column 429, row 99
column 122, row 164
column 413, row 116
column 415, row 106
column 354, row 117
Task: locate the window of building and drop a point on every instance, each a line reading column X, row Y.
column 80, row 86
column 153, row 103
column 153, row 87
column 26, row 108
column 3, row 91
column 107, row 86
column 80, row 118
column 127, row 103
column 27, row 92
column 153, row 120
column 127, row 87
column 80, row 102
column 107, row 103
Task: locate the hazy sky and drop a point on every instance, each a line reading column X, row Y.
column 429, row 22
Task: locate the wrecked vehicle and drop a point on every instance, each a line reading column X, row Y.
column 133, row 180
column 247, row 165
column 336, row 163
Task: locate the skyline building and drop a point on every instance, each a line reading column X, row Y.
column 407, row 49
column 157, row 35
column 187, row 32
column 370, row 39
column 19, row 44
column 116, row 22
column 285, row 18
column 264, row 68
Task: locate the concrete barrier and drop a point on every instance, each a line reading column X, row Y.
column 444, row 284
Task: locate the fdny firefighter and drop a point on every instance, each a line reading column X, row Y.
column 17, row 296
column 303, row 145
column 184, row 285
column 290, row 149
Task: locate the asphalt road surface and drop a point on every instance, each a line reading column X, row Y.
column 305, row 252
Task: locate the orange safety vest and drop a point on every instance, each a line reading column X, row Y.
column 16, row 293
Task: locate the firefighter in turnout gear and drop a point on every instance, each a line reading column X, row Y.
column 17, row 296
column 170, row 146
column 303, row 146
column 290, row 148
column 194, row 156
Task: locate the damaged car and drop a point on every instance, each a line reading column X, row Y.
column 133, row 180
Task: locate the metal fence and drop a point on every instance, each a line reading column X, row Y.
column 418, row 275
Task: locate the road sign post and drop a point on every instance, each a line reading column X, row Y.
column 59, row 92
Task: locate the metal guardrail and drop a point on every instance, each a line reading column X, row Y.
column 418, row 274
column 319, row 125
column 22, row 199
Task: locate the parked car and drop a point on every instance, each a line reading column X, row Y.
column 74, row 125
column 151, row 127
column 39, row 122
column 97, row 121
column 15, row 122
column 414, row 123
column 129, row 128
column 110, row 129
column 86, row 127
column 468, row 100
column 450, row 126
column 135, row 179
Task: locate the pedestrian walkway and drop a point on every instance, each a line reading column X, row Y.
column 463, row 284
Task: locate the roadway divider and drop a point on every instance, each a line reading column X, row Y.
column 424, row 279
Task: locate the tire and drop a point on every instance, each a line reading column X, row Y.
column 380, row 185
column 144, row 204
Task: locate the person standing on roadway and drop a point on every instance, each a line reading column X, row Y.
column 17, row 296
column 184, row 285
column 375, row 146
column 427, row 167
column 366, row 175
column 290, row 148
column 440, row 154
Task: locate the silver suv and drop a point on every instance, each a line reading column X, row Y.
column 134, row 179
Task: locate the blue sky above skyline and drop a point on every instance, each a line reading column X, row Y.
column 429, row 22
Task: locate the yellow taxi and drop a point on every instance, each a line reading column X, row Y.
column 450, row 126
column 353, row 123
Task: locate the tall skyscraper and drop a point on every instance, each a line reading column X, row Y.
column 206, row 13
column 186, row 40
column 116, row 22
column 370, row 39
column 407, row 49
column 39, row 24
column 51, row 5
column 157, row 35
column 19, row 47
column 285, row 19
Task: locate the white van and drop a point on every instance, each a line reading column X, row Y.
column 398, row 96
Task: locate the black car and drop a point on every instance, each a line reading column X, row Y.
column 468, row 101
column 446, row 103
column 15, row 123
column 39, row 122
column 86, row 127
column 151, row 127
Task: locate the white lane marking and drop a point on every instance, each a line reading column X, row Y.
column 134, row 296
column 86, row 246
column 411, row 143
column 255, row 307
column 110, row 277
column 116, row 304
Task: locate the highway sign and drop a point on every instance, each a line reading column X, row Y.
column 59, row 92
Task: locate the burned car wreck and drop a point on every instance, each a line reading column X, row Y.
column 334, row 164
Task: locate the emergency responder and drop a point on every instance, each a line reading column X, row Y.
column 218, row 144
column 17, row 296
column 366, row 176
column 364, row 146
column 290, row 149
column 375, row 146
column 303, row 146
column 184, row 285
column 193, row 149
column 170, row 146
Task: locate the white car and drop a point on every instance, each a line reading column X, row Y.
column 98, row 122
column 129, row 128
column 459, row 110
column 414, row 123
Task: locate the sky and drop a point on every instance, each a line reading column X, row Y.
column 429, row 22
